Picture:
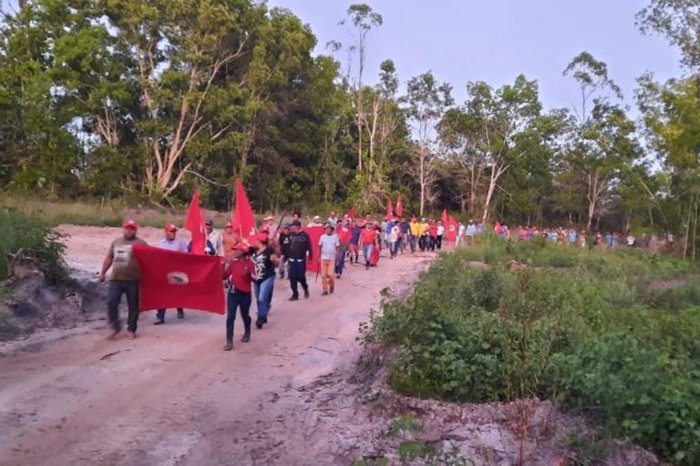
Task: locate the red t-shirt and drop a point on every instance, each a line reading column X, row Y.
column 344, row 234
column 432, row 230
column 368, row 236
column 241, row 275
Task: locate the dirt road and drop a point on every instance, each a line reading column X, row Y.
column 172, row 396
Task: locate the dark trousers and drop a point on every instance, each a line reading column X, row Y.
column 438, row 242
column 234, row 300
column 131, row 289
column 160, row 313
column 340, row 259
column 297, row 276
column 423, row 242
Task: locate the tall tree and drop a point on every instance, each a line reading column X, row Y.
column 679, row 21
column 427, row 101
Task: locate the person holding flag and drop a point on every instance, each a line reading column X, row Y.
column 299, row 248
column 329, row 245
column 124, row 279
column 239, row 274
column 170, row 243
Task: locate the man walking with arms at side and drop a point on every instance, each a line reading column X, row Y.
column 171, row 243
column 214, row 237
column 329, row 245
column 124, row 279
column 299, row 249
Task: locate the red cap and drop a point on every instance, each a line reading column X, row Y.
column 129, row 223
column 242, row 247
column 170, row 227
column 265, row 229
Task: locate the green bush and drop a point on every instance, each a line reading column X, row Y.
column 579, row 326
column 26, row 237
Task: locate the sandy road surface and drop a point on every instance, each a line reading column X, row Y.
column 172, row 396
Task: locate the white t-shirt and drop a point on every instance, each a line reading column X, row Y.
column 328, row 244
column 440, row 230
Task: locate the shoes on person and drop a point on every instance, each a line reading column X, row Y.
column 306, row 293
column 132, row 335
column 325, row 293
column 332, row 290
column 228, row 346
column 337, row 275
column 114, row 334
column 159, row 322
column 246, row 337
column 258, row 324
column 294, row 298
column 264, row 320
column 180, row 314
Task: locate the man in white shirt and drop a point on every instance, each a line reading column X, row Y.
column 329, row 244
column 214, row 237
column 333, row 220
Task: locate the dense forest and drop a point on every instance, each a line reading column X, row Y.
column 141, row 101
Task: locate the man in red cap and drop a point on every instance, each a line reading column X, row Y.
column 123, row 280
column 171, row 243
column 265, row 259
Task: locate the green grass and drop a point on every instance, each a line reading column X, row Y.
column 582, row 327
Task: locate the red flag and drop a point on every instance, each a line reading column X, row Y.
column 444, row 218
column 243, row 216
column 399, row 207
column 195, row 224
column 314, row 233
column 352, row 214
column 452, row 227
column 389, row 210
column 176, row 279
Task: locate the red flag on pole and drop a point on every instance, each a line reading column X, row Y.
column 177, row 279
column 399, row 207
column 194, row 223
column 452, row 227
column 314, row 265
column 243, row 216
column 389, row 210
column 444, row 218
column 352, row 214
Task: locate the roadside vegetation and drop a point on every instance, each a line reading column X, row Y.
column 614, row 335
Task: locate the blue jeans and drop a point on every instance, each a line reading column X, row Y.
column 367, row 252
column 340, row 259
column 394, row 248
column 263, row 296
column 234, row 300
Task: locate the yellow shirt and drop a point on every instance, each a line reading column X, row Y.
column 415, row 228
column 425, row 228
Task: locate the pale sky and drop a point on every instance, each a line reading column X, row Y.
column 495, row 40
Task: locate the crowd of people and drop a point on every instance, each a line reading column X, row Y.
column 252, row 264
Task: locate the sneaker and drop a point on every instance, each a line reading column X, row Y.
column 258, row 324
column 294, row 298
column 246, row 337
column 337, row 275
column 180, row 314
column 159, row 322
column 228, row 346
column 132, row 335
column 306, row 293
column 264, row 320
column 325, row 293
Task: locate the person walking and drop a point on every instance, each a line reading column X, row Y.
column 265, row 259
column 432, row 235
column 240, row 275
column 329, row 245
column 368, row 238
column 214, row 237
column 299, row 250
column 229, row 241
column 354, row 246
column 283, row 242
column 333, row 219
column 344, row 233
column 171, row 243
column 440, row 234
column 471, row 232
column 415, row 233
column 394, row 238
column 124, row 279
column 405, row 232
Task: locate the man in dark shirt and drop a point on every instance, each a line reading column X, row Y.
column 299, row 247
column 283, row 241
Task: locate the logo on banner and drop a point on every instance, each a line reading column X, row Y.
column 178, row 278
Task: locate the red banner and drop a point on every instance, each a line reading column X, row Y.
column 399, row 207
column 174, row 279
column 389, row 210
column 315, row 234
column 452, row 227
column 195, row 224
